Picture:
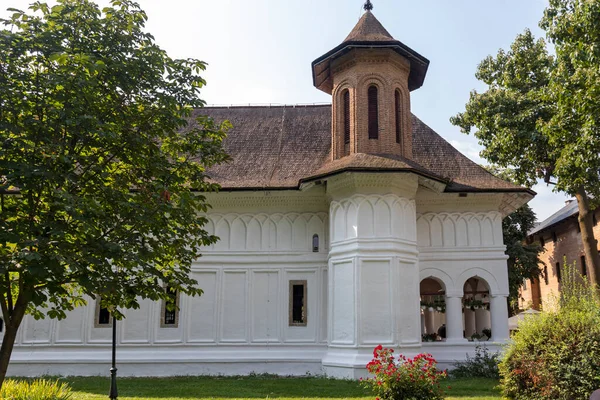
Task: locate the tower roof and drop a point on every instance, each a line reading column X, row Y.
column 369, row 29
column 369, row 33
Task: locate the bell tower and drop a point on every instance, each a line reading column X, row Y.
column 373, row 272
column 370, row 76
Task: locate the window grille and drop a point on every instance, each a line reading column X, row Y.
column 373, row 112
column 346, row 116
column 398, row 117
column 297, row 311
column 170, row 309
column 102, row 319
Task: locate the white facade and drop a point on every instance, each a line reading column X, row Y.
column 379, row 236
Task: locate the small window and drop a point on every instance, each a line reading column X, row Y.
column 297, row 303
column 583, row 266
column 554, row 237
column 546, row 274
column 373, row 112
column 558, row 273
column 525, row 284
column 542, row 242
column 315, row 243
column 594, row 219
column 103, row 318
column 346, row 116
column 398, row 115
column 170, row 309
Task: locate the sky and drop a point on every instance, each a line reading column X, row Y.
column 260, row 51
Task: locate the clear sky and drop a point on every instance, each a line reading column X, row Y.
column 259, row 51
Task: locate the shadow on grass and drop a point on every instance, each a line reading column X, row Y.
column 222, row 387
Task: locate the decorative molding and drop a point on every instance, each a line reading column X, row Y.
column 512, row 201
column 451, row 230
column 425, row 199
column 301, row 201
column 244, row 232
column 347, row 184
column 373, row 216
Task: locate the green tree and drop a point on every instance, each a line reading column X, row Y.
column 540, row 114
column 523, row 258
column 101, row 174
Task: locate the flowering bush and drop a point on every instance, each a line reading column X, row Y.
column 404, row 378
column 556, row 354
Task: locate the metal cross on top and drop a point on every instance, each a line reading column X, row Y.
column 368, row 6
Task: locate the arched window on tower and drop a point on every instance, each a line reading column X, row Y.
column 373, row 112
column 398, row 113
column 346, row 97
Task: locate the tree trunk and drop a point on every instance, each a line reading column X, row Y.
column 590, row 244
column 10, row 334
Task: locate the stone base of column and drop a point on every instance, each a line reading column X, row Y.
column 351, row 363
column 346, row 363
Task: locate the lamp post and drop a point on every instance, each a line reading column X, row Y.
column 113, row 393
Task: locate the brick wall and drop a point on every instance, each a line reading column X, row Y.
column 355, row 72
column 561, row 242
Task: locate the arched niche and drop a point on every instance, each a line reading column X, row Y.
column 433, row 309
column 476, row 309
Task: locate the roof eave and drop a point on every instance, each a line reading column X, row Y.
column 492, row 190
column 371, row 169
column 419, row 64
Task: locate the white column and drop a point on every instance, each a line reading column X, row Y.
column 499, row 311
column 428, row 321
column 373, row 273
column 469, row 322
column 482, row 320
column 454, row 320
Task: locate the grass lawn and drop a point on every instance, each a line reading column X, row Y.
column 255, row 388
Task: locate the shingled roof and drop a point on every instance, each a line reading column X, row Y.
column 282, row 147
column 570, row 209
column 369, row 29
column 369, row 33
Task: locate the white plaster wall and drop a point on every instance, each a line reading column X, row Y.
column 372, row 261
column 456, row 246
column 380, row 250
column 241, row 318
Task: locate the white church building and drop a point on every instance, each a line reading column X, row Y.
column 341, row 227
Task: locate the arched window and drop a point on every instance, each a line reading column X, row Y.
column 373, row 112
column 346, row 116
column 398, row 114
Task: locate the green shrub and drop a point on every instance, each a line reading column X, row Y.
column 405, row 378
column 556, row 355
column 483, row 365
column 35, row 390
